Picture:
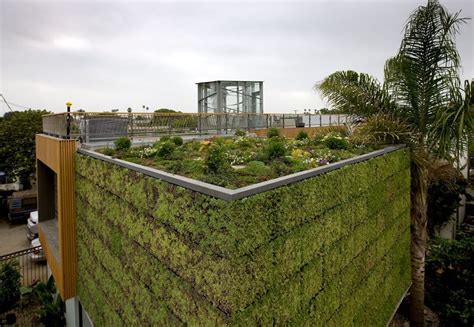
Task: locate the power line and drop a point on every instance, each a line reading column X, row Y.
column 18, row 105
column 8, row 103
column 5, row 100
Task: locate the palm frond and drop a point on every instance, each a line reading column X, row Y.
column 354, row 93
column 383, row 128
column 421, row 75
column 450, row 129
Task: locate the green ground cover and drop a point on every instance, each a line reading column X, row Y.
column 239, row 161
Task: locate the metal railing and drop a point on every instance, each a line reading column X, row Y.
column 90, row 127
column 32, row 267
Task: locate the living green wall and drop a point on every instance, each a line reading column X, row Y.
column 329, row 250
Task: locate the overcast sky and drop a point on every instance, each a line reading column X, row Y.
column 119, row 54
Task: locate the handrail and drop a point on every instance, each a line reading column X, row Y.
column 166, row 114
column 20, row 253
column 108, row 126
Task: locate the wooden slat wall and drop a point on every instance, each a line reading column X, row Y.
column 47, row 150
column 292, row 132
column 67, row 214
column 59, row 155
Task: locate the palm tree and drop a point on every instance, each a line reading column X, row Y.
column 422, row 94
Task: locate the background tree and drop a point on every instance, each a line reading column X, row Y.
column 165, row 111
column 17, row 143
column 422, row 94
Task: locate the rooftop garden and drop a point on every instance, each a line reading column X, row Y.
column 241, row 160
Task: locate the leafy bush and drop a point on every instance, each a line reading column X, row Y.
column 240, row 132
column 177, row 140
column 450, row 280
column 9, row 286
column 166, row 150
column 273, row 132
column 335, row 142
column 446, row 186
column 274, row 149
column 302, row 135
column 216, row 159
column 336, row 129
column 318, row 139
column 108, row 151
column 280, row 168
column 122, row 144
column 51, row 312
column 164, row 138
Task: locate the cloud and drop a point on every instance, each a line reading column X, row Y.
column 117, row 54
column 71, row 43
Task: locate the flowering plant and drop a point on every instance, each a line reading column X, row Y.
column 146, row 152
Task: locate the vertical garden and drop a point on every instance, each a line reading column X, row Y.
column 331, row 249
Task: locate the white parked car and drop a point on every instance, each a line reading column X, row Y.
column 37, row 255
column 32, row 226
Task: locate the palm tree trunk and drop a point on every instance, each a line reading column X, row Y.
column 419, row 191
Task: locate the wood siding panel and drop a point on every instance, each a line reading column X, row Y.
column 59, row 155
column 47, row 150
column 67, row 212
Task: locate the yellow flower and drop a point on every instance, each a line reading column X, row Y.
column 204, row 145
column 299, row 154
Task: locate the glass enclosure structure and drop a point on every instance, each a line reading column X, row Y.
column 230, row 97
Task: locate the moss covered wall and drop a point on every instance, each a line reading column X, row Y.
column 333, row 249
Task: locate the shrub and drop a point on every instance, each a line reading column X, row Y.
column 240, row 132
column 274, row 149
column 450, row 280
column 177, row 140
column 336, row 143
column 273, row 132
column 108, row 152
column 9, row 286
column 216, row 159
column 342, row 130
column 302, row 135
column 444, row 194
column 318, row 139
column 166, row 150
column 280, row 168
column 219, row 140
column 122, row 144
column 51, row 312
column 164, row 138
